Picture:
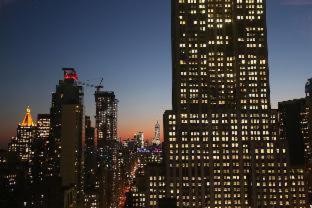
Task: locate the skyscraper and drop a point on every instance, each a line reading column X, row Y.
column 43, row 126
column 307, row 124
column 26, row 133
column 139, row 137
column 39, row 148
column 307, row 135
column 91, row 187
column 68, row 92
column 71, row 145
column 221, row 143
column 291, row 114
column 296, row 128
column 106, row 115
column 107, row 147
column 90, row 157
column 156, row 140
column 66, row 136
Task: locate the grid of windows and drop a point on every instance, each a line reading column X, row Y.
column 222, row 147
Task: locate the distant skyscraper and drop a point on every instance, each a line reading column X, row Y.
column 221, row 142
column 22, row 143
column 156, row 140
column 139, row 137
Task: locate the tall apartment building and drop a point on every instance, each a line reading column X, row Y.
column 67, row 133
column 221, row 143
column 106, row 115
column 107, row 147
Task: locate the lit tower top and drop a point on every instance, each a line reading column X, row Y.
column 25, row 135
column 27, row 121
column 70, row 74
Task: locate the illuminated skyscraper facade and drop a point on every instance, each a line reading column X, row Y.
column 107, row 147
column 221, row 141
column 106, row 115
column 26, row 134
column 156, row 140
column 139, row 137
column 43, row 126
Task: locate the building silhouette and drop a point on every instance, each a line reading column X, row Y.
column 222, row 147
column 296, row 129
column 64, row 152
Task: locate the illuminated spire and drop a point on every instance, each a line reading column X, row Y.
column 28, row 121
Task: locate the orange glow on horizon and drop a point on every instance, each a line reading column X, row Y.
column 127, row 128
column 148, row 135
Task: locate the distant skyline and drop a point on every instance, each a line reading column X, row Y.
column 128, row 44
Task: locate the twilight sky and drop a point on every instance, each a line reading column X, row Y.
column 128, row 43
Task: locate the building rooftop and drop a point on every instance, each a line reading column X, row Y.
column 27, row 121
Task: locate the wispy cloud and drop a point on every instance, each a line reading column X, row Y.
column 296, row 2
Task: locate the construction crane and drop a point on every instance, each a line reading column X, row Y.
column 97, row 87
